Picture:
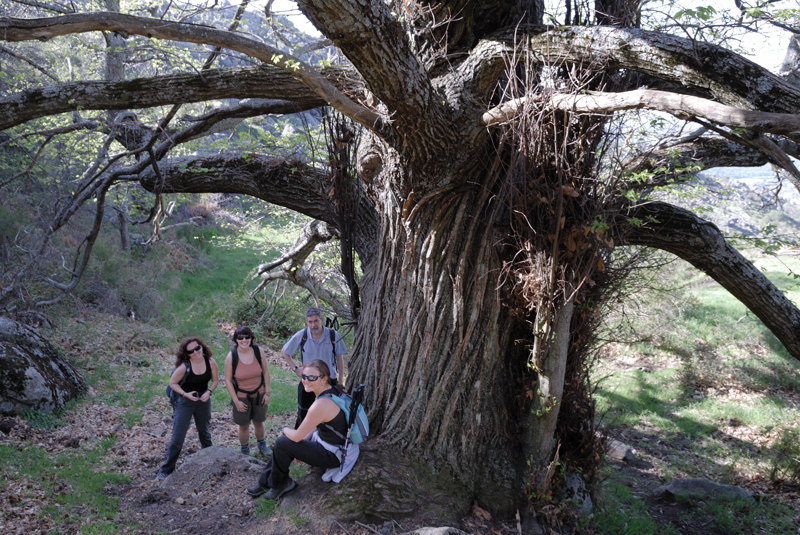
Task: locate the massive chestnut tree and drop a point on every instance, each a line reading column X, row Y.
column 484, row 202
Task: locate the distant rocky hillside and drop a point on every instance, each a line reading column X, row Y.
column 743, row 202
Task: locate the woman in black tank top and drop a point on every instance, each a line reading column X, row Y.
column 313, row 442
column 194, row 370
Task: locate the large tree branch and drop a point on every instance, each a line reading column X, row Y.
column 729, row 77
column 369, row 34
column 674, row 161
column 288, row 94
column 700, row 68
column 12, row 29
column 289, row 183
column 700, row 243
column 372, row 38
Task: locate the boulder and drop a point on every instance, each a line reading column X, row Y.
column 702, row 489
column 576, row 490
column 618, row 451
column 33, row 374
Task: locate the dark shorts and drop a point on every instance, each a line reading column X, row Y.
column 254, row 413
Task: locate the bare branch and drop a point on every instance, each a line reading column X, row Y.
column 684, row 107
column 8, row 51
column 264, row 82
column 291, row 267
column 313, row 234
column 12, row 29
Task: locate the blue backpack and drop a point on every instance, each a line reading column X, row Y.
column 356, row 416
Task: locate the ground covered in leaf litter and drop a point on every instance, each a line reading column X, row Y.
column 221, row 505
column 181, row 503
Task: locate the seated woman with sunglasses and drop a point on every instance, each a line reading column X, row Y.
column 191, row 384
column 319, row 441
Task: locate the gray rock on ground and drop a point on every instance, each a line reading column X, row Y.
column 702, row 489
column 33, row 374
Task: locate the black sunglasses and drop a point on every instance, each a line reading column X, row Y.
column 311, row 378
column 243, row 337
column 194, row 349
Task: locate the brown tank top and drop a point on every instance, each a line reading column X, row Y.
column 248, row 377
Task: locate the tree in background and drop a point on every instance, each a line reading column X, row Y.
column 484, row 166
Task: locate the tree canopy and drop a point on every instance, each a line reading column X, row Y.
column 487, row 160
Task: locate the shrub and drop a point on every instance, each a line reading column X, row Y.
column 786, row 456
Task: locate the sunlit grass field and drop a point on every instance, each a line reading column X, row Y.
column 705, row 390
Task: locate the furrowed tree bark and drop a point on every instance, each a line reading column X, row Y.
column 440, row 360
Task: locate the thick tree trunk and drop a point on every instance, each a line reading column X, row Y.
column 436, row 346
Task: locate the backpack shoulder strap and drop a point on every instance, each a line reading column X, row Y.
column 303, row 340
column 234, row 361
column 257, row 352
column 341, row 403
column 333, row 348
column 186, row 373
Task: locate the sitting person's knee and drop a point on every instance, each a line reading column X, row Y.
column 282, row 442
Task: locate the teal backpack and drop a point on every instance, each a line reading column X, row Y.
column 356, row 416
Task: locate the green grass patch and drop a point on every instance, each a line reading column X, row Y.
column 621, row 513
column 265, row 508
column 210, row 287
column 696, row 377
column 284, row 391
column 72, row 486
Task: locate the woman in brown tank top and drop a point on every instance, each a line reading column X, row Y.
column 249, row 388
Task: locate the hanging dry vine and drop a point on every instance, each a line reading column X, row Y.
column 552, row 202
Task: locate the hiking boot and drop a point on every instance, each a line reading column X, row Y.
column 245, row 449
column 256, row 491
column 274, row 494
column 263, row 449
column 161, row 476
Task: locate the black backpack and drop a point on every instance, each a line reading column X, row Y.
column 171, row 394
column 235, row 362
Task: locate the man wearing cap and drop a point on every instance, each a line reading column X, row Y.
column 314, row 342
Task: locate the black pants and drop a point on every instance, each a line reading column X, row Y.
column 304, row 401
column 284, row 451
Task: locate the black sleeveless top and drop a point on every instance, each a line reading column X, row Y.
column 339, row 424
column 197, row 383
